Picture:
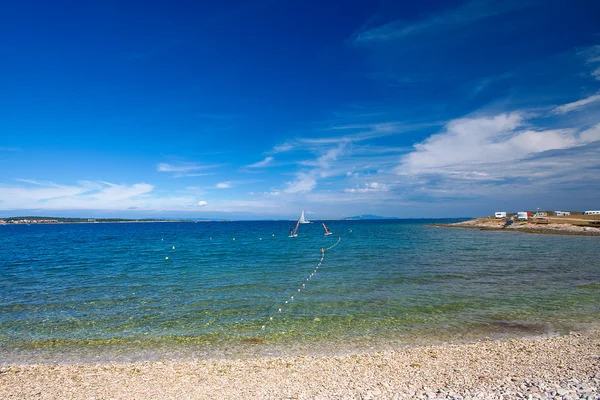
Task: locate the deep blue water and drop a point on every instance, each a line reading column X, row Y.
column 106, row 291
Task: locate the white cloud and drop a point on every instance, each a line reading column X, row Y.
column 324, row 162
column 565, row 108
column 230, row 184
column 36, row 191
column 112, row 192
column 369, row 187
column 282, row 148
column 590, row 135
column 465, row 140
column 596, row 73
column 202, row 203
column 262, row 163
column 305, row 182
column 489, row 148
column 32, row 194
column 184, row 169
column 165, row 167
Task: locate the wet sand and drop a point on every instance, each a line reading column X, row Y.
column 549, row 367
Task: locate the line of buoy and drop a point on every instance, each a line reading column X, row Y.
column 210, row 238
column 312, row 275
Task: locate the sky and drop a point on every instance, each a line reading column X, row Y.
column 257, row 110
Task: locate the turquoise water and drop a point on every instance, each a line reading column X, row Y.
column 97, row 292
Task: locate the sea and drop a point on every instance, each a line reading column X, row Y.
column 125, row 292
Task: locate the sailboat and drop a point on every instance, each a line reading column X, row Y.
column 302, row 220
column 294, row 232
column 327, row 231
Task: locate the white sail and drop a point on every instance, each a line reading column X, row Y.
column 294, row 232
column 302, row 220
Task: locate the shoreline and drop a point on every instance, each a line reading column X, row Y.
column 512, row 368
column 492, row 224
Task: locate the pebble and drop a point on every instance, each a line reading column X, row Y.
column 496, row 373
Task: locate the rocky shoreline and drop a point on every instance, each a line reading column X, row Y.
column 525, row 227
column 566, row 367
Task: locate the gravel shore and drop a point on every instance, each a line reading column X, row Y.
column 566, row 367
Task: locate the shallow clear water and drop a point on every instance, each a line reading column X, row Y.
column 94, row 292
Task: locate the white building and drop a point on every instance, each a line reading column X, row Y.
column 592, row 212
column 500, row 214
column 562, row 213
column 522, row 215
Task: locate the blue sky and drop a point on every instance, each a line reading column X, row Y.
column 254, row 110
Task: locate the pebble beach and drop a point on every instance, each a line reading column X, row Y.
column 562, row 367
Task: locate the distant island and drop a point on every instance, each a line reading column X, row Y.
column 367, row 216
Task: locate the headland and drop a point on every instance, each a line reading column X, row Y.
column 587, row 225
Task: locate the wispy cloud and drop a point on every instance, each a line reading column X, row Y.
column 366, row 131
column 590, row 135
column 113, row 192
column 591, row 55
column 465, row 14
column 282, row 148
column 565, row 108
column 369, row 187
column 261, row 164
column 230, row 184
column 304, row 182
column 307, row 180
column 324, row 161
column 34, row 191
column 223, row 185
column 33, row 194
column 334, row 157
column 185, row 169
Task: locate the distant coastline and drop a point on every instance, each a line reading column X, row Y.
column 61, row 220
column 42, row 220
